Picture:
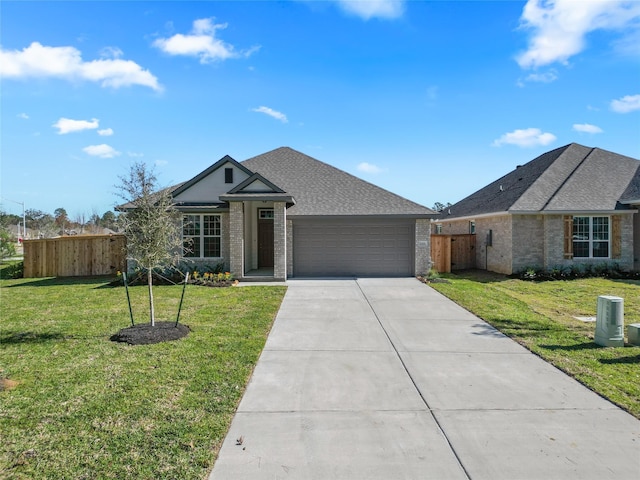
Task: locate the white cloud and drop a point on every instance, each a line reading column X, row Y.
column 528, row 137
column 560, row 26
column 586, row 128
column 201, row 43
column 111, row 52
column 106, row 132
column 367, row 9
column 369, row 168
column 272, row 113
column 23, row 116
column 546, row 77
column 161, row 163
column 626, row 104
column 102, row 151
column 135, row 155
column 66, row 63
column 67, row 125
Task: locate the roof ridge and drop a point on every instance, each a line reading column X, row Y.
column 342, row 172
column 564, row 182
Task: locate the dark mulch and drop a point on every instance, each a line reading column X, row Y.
column 145, row 334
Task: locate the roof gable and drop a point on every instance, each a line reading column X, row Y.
column 321, row 189
column 209, row 184
column 256, row 183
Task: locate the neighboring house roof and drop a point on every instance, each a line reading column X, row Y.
column 571, row 178
column 322, row 190
column 631, row 195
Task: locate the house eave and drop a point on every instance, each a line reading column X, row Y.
column 259, row 197
column 362, row 215
column 445, row 218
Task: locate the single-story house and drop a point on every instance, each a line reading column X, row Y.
column 574, row 204
column 285, row 214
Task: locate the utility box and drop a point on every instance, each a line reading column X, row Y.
column 633, row 334
column 610, row 321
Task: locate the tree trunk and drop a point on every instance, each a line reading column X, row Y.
column 152, row 313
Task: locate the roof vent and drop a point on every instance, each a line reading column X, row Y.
column 501, row 189
column 449, row 212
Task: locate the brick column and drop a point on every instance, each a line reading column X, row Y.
column 236, row 238
column 279, row 240
column 423, row 246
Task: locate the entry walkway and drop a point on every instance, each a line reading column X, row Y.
column 388, row 379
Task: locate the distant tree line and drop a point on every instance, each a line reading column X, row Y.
column 44, row 224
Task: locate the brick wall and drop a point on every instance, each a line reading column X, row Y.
column 528, row 234
column 236, row 238
column 279, row 241
column 422, row 246
column 289, row 248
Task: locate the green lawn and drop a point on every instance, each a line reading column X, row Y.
column 85, row 407
column 539, row 315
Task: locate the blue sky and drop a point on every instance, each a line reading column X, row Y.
column 429, row 99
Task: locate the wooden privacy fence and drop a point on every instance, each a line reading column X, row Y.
column 453, row 252
column 74, row 256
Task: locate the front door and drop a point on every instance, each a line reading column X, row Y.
column 265, row 238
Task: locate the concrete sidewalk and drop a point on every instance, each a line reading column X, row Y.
column 388, row 379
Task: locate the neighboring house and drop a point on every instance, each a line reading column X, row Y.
column 571, row 205
column 283, row 214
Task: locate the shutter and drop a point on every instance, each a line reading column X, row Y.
column 616, row 236
column 568, row 237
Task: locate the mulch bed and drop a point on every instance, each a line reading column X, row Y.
column 145, row 334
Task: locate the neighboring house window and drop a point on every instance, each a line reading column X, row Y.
column 472, row 227
column 591, row 237
column 438, row 229
column 201, row 236
column 228, row 175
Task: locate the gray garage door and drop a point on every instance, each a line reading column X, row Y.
column 353, row 247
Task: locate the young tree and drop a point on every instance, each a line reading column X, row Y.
column 150, row 222
column 7, row 244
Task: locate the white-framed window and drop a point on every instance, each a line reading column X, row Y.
column 438, row 228
column 201, row 236
column 591, row 237
column 265, row 213
column 472, row 226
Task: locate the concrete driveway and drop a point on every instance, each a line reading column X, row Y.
column 388, row 379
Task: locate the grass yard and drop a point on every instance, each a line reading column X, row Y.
column 539, row 315
column 79, row 406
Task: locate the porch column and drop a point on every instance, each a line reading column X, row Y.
column 279, row 240
column 236, row 238
column 422, row 254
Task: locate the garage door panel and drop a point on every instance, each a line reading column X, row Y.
column 352, row 248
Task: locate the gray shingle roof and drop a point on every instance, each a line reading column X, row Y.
column 320, row 189
column 632, row 193
column 570, row 178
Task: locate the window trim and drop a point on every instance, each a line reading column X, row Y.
column 228, row 175
column 265, row 211
column 590, row 241
column 201, row 235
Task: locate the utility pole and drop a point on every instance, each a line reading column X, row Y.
column 24, row 218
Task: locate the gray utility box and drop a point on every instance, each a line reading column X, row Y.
column 610, row 321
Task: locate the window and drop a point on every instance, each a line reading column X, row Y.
column 265, row 214
column 590, row 237
column 201, row 236
column 438, row 228
column 228, row 175
column 472, row 227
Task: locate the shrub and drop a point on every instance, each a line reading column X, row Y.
column 578, row 270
